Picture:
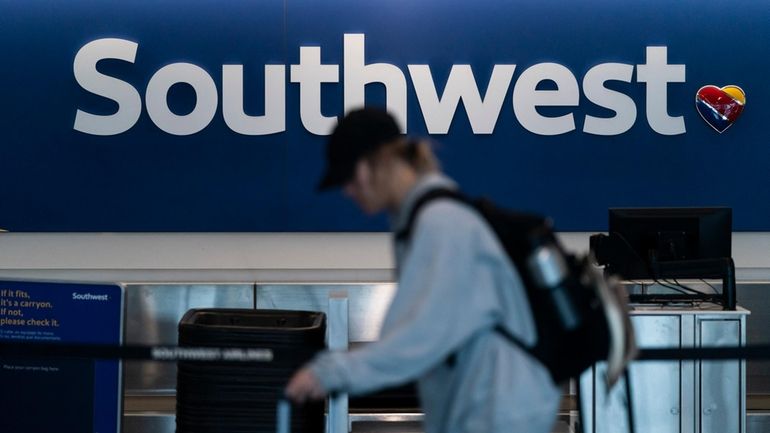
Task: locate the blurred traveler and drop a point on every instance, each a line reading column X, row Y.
column 455, row 284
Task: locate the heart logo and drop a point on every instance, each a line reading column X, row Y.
column 720, row 107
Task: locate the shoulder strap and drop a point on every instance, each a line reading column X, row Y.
column 406, row 233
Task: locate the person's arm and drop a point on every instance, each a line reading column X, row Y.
column 447, row 290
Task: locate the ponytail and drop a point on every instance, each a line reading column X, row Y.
column 418, row 154
column 415, row 152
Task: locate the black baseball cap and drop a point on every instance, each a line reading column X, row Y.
column 358, row 134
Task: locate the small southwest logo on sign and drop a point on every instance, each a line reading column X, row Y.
column 720, row 107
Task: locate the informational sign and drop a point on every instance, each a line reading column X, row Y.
column 201, row 116
column 43, row 395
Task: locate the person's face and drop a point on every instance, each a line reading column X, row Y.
column 368, row 187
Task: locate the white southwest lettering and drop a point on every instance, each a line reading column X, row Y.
column 622, row 105
column 438, row 110
column 358, row 74
column 310, row 74
column 128, row 99
column 657, row 73
column 461, row 85
column 274, row 120
column 526, row 98
column 205, row 102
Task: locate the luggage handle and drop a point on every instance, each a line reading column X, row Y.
column 283, row 413
column 338, row 339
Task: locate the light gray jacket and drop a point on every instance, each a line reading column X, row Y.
column 455, row 284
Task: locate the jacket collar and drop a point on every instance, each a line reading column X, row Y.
column 423, row 185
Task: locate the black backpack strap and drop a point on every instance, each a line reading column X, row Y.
column 516, row 341
column 406, row 232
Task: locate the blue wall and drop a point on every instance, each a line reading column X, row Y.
column 55, row 178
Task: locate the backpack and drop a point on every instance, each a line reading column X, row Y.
column 580, row 316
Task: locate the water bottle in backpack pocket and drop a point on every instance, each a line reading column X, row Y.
column 580, row 316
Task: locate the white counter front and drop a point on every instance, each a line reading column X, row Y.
column 674, row 396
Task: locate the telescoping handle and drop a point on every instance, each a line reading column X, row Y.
column 283, row 413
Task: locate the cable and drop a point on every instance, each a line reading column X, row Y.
column 676, row 289
column 646, row 263
column 712, row 287
column 716, row 292
column 683, row 287
column 629, row 401
column 644, row 286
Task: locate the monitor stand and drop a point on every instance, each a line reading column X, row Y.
column 723, row 268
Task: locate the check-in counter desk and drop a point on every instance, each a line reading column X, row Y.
column 675, row 396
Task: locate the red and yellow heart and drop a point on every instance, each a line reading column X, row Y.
column 720, row 107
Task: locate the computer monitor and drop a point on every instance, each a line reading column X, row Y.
column 659, row 235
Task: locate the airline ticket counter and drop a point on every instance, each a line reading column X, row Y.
column 667, row 396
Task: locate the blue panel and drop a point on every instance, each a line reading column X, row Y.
column 61, row 313
column 53, row 178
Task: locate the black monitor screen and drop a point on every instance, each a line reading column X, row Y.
column 667, row 234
